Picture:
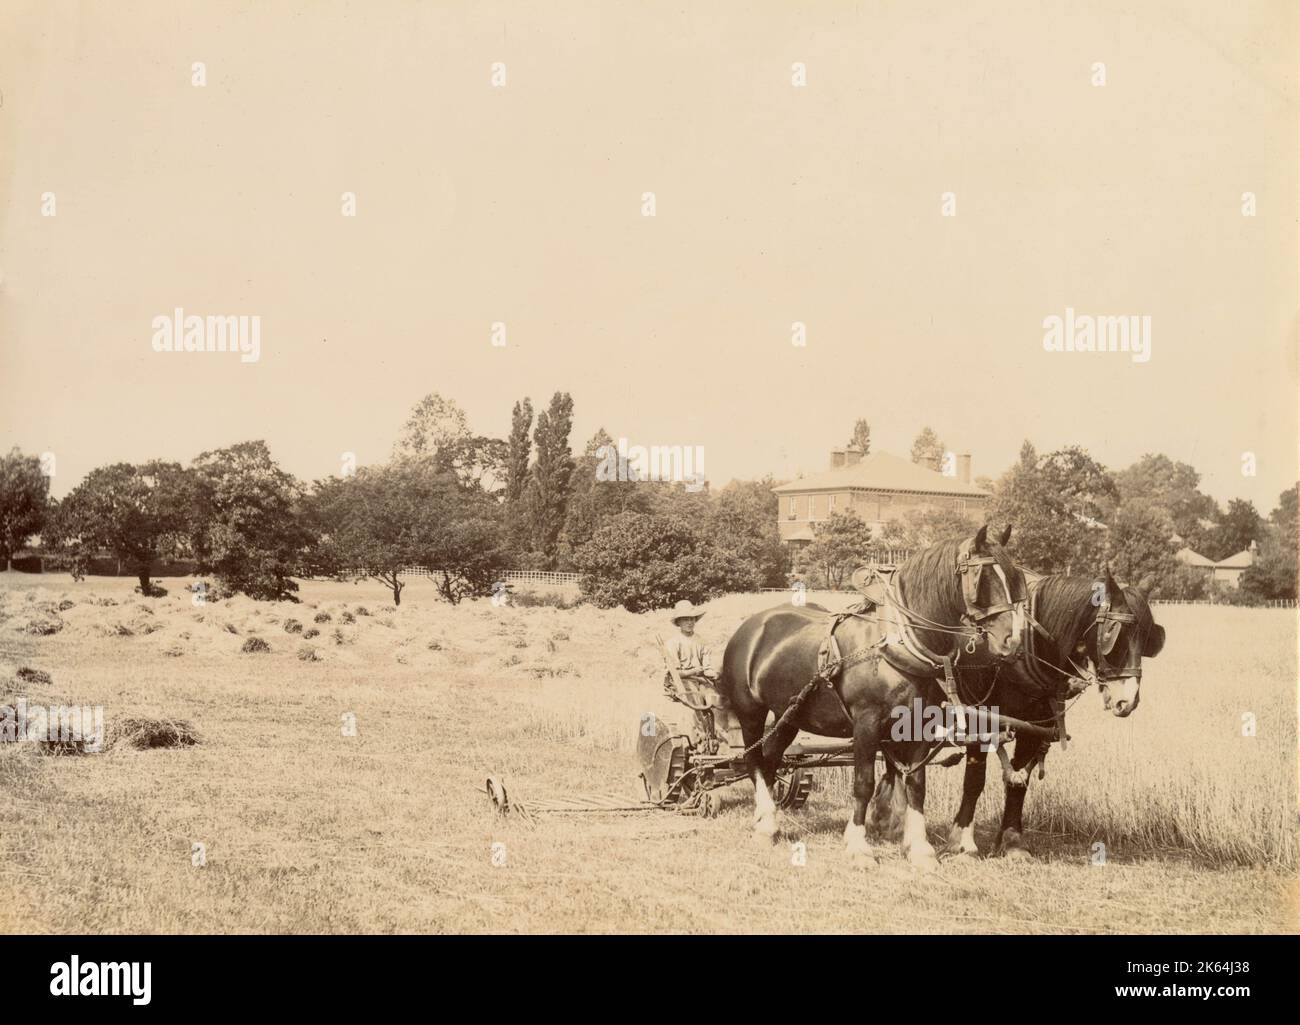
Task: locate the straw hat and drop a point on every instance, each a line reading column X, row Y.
column 685, row 610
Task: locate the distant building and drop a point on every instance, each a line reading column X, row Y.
column 879, row 487
column 1196, row 560
column 1226, row 571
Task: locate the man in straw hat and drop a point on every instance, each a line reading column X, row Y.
column 692, row 657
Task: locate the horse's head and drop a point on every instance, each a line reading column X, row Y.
column 993, row 592
column 1125, row 632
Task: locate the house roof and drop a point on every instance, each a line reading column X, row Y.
column 1241, row 560
column 1191, row 558
column 881, row 471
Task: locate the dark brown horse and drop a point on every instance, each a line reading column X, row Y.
column 959, row 600
column 1086, row 628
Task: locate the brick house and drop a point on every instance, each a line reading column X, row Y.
column 879, row 487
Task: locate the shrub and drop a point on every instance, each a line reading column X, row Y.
column 643, row 561
column 292, row 626
column 43, row 626
column 307, row 653
column 347, row 617
column 254, row 645
column 37, row 676
column 322, row 617
column 310, row 633
column 153, row 590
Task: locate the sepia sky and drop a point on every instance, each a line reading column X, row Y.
column 774, row 204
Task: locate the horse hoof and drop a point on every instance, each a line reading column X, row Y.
column 863, row 860
column 765, row 830
column 960, row 846
column 1013, row 847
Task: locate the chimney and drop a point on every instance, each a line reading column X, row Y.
column 852, row 455
column 837, row 458
column 963, row 468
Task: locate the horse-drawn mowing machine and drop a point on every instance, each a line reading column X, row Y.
column 684, row 768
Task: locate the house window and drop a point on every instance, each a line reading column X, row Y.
column 792, row 513
column 812, row 515
column 961, row 506
column 830, row 505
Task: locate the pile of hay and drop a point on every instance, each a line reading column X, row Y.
column 144, row 733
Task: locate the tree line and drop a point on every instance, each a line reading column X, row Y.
column 465, row 506
column 469, row 507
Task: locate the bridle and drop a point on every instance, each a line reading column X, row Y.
column 970, row 570
column 1109, row 624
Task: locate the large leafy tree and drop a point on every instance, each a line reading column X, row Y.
column 1239, row 525
column 1273, row 574
column 433, row 424
column 1173, row 485
column 138, row 513
column 248, row 524
column 597, row 494
column 551, row 479
column 383, row 520
column 744, row 522
column 478, row 463
column 24, row 501
column 1054, row 504
column 841, row 543
column 1140, row 548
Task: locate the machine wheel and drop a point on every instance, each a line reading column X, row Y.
column 792, row 788
column 665, row 755
column 710, row 804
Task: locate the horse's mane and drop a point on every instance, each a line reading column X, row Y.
column 929, row 585
column 1064, row 606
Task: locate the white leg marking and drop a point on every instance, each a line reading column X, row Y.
column 915, row 843
column 856, row 846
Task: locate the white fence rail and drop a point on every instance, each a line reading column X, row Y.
column 1273, row 603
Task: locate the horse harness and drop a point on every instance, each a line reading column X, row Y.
column 899, row 644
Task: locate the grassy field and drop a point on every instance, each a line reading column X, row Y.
column 308, row 830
